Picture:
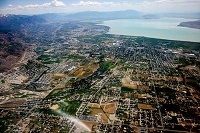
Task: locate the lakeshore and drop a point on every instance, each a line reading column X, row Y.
column 163, row 28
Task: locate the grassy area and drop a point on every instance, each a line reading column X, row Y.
column 49, row 59
column 95, row 39
column 27, row 95
column 54, row 93
column 70, row 108
column 3, row 81
column 126, row 89
column 3, row 123
column 83, row 91
column 44, row 57
column 87, row 111
column 82, row 72
column 106, row 65
column 22, row 95
column 45, row 111
column 75, row 56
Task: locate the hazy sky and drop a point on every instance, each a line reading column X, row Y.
column 62, row 6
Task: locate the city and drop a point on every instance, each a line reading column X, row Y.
column 73, row 77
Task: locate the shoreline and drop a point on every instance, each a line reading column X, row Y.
column 164, row 39
column 167, row 31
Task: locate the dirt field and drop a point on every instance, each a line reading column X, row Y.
column 59, row 75
column 54, row 107
column 19, row 79
column 191, row 68
column 93, row 105
column 145, row 106
column 84, row 71
column 60, row 86
column 144, row 96
column 126, row 82
column 110, row 108
column 13, row 103
column 89, row 124
column 95, row 112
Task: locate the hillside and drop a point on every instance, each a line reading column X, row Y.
column 12, row 32
column 11, row 51
column 18, row 22
column 191, row 24
column 94, row 15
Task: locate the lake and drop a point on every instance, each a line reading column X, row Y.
column 163, row 28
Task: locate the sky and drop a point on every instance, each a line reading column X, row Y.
column 72, row 6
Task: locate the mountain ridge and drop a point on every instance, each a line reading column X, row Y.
column 105, row 15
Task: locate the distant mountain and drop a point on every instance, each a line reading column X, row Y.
column 53, row 17
column 128, row 14
column 181, row 15
column 191, row 24
column 150, row 16
column 12, row 31
column 94, row 15
column 16, row 22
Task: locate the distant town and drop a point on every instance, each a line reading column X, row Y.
column 72, row 77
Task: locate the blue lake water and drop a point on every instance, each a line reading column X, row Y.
column 164, row 28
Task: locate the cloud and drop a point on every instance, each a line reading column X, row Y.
column 57, row 3
column 177, row 1
column 95, row 3
column 54, row 3
column 150, row 6
column 101, row 6
column 174, row 6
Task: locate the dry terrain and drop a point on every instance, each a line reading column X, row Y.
column 84, row 71
column 145, row 106
column 126, row 82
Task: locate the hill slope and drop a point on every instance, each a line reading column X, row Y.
column 94, row 15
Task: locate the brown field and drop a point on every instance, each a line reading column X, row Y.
column 60, row 86
column 184, row 123
column 94, row 105
column 126, row 82
column 89, row 124
column 145, row 87
column 19, row 79
column 84, row 71
column 143, row 75
column 144, row 96
column 110, row 108
column 54, row 107
column 95, row 111
column 191, row 68
column 55, row 91
column 59, row 76
column 169, row 78
column 14, row 103
column 145, row 106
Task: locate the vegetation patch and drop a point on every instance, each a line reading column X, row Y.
column 69, row 107
column 106, row 65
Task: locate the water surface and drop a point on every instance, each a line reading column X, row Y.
column 163, row 28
